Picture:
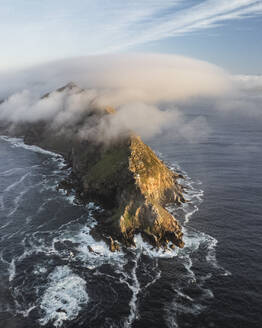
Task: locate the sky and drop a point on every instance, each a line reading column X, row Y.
column 224, row 32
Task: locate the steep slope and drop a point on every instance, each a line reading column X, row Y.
column 130, row 180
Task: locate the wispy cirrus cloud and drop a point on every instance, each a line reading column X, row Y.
column 52, row 29
column 187, row 19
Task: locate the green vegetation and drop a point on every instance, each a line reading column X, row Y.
column 108, row 166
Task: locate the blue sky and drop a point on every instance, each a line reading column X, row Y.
column 225, row 32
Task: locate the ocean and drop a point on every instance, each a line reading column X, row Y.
column 51, row 278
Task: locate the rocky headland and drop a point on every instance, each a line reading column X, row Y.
column 124, row 175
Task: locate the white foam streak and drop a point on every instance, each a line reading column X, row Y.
column 189, row 214
column 18, row 142
column 12, row 270
column 211, row 256
column 27, row 312
column 10, row 172
column 16, row 183
column 2, row 204
column 135, row 288
column 19, row 197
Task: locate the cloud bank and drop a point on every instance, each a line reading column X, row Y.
column 121, row 78
column 146, row 90
column 140, row 87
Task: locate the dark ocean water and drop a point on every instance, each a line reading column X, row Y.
column 50, row 278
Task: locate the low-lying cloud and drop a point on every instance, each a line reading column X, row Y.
column 140, row 88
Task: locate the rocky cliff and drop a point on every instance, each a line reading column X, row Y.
column 130, row 180
column 125, row 176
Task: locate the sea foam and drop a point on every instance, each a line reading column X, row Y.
column 64, row 297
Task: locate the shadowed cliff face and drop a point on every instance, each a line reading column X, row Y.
column 125, row 175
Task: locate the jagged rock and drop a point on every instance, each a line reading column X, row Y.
column 90, row 249
column 114, row 246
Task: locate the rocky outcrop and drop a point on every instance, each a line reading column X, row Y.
column 130, row 180
column 125, row 176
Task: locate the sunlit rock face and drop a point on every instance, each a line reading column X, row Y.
column 129, row 179
column 122, row 174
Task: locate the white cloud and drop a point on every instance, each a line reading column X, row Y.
column 140, row 87
column 149, row 91
column 118, row 79
column 205, row 14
